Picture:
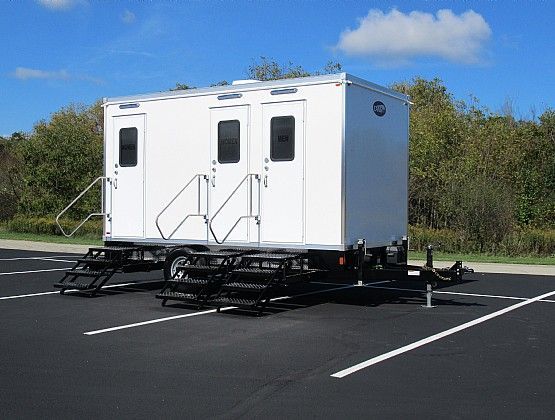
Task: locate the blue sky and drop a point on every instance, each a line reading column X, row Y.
column 56, row 52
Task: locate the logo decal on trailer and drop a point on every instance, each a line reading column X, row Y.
column 379, row 108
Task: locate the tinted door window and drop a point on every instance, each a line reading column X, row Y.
column 282, row 140
column 128, row 146
column 229, row 147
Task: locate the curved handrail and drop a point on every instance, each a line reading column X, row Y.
column 248, row 176
column 198, row 214
column 103, row 213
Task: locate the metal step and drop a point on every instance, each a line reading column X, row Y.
column 255, row 271
column 86, row 273
column 239, row 285
column 74, row 285
column 114, row 248
column 232, row 301
column 189, row 280
column 177, row 296
column 273, row 257
column 216, row 254
column 198, row 268
column 96, row 261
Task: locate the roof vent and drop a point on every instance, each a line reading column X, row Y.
column 244, row 82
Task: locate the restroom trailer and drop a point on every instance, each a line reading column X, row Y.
column 313, row 163
column 251, row 179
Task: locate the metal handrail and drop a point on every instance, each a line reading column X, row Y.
column 256, row 217
column 198, row 214
column 103, row 212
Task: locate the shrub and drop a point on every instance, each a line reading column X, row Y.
column 520, row 242
column 48, row 226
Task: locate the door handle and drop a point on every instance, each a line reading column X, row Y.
column 115, row 183
column 266, row 181
column 213, row 180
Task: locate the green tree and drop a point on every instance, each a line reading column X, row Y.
column 436, row 130
column 11, row 180
column 269, row 69
column 182, row 86
column 61, row 157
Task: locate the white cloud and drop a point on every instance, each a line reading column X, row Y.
column 128, row 17
column 25, row 73
column 396, row 37
column 57, row 4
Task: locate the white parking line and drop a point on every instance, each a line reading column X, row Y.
column 438, row 336
column 455, row 293
column 75, row 290
column 154, row 321
column 37, row 258
column 211, row 311
column 27, row 295
column 35, row 271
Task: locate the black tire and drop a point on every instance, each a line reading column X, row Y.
column 172, row 259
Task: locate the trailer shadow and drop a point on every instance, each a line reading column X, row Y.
column 306, row 295
column 356, row 296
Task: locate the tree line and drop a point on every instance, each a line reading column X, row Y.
column 479, row 173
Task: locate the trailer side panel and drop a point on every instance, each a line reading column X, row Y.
column 376, row 166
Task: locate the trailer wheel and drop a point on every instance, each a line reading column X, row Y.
column 174, row 260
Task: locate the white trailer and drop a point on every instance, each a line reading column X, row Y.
column 237, row 191
column 312, row 163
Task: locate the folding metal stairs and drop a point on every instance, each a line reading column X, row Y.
column 259, row 277
column 99, row 264
column 200, row 277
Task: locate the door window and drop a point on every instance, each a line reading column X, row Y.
column 128, row 146
column 229, row 146
column 282, row 138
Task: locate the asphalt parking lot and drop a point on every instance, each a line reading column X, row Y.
column 333, row 351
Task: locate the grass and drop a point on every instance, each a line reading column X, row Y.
column 35, row 237
column 443, row 256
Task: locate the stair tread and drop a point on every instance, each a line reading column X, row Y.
column 244, row 285
column 271, row 256
column 95, row 260
column 114, row 248
column 192, row 267
column 254, row 270
column 87, row 273
column 189, row 280
column 216, row 254
column 176, row 296
column 235, row 301
column 73, row 285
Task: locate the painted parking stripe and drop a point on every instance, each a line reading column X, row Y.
column 35, row 271
column 154, row 321
column 37, row 258
column 445, row 292
column 363, row 365
column 75, row 290
column 210, row 311
column 56, row 260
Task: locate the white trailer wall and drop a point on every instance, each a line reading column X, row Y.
column 177, row 146
column 376, row 166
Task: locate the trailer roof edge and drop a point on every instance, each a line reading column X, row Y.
column 301, row 81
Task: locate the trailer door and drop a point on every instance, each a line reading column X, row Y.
column 282, row 196
column 228, row 169
column 128, row 177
